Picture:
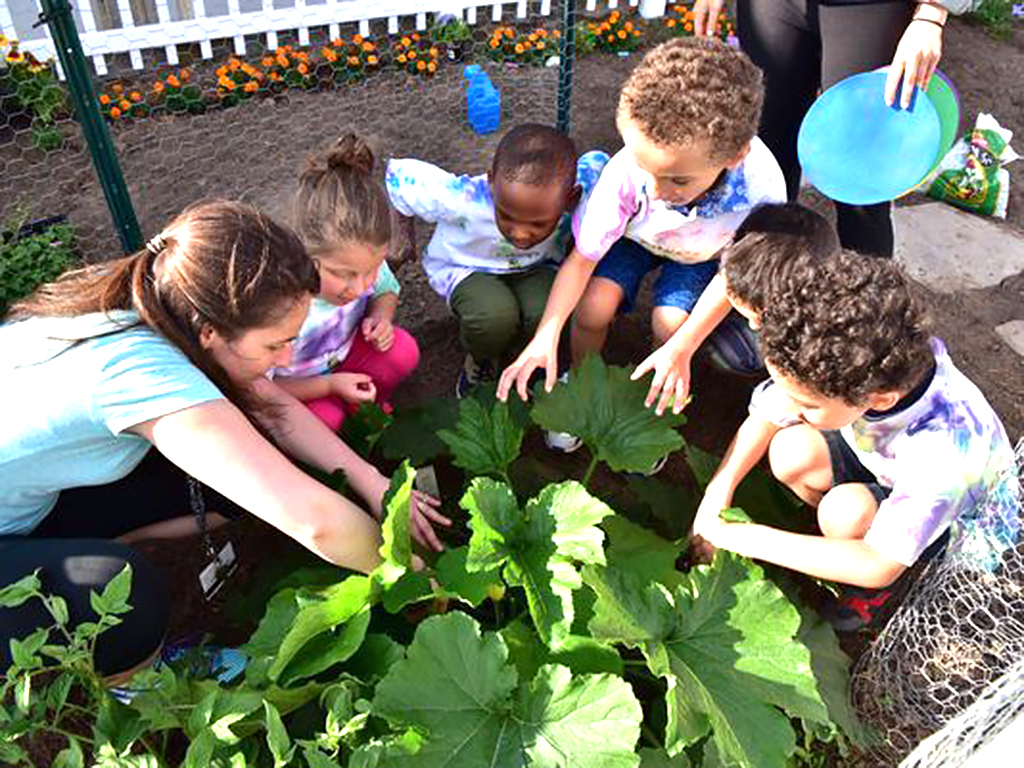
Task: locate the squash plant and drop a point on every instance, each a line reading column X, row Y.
column 564, row 633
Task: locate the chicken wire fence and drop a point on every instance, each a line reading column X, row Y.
column 957, row 633
column 237, row 113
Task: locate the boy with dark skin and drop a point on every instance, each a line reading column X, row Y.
column 499, row 236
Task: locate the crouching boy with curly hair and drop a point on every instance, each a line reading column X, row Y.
column 866, row 419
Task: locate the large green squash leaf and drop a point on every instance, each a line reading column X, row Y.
column 412, row 433
column 457, row 688
column 602, row 407
column 539, row 547
column 486, row 440
column 725, row 642
column 395, row 528
column 640, row 551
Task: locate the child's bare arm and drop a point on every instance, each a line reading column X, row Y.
column 378, row 323
column 383, row 307
column 305, row 387
column 350, row 387
column 671, row 361
column 542, row 351
column 850, row 561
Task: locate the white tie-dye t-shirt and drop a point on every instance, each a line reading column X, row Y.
column 946, row 458
column 621, row 206
column 467, row 238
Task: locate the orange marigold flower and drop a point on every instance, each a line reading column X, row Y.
column 118, row 89
column 185, row 75
column 301, row 55
column 287, row 49
column 104, row 99
column 628, row 26
column 636, row 33
column 173, row 81
column 508, row 32
column 303, row 69
column 421, row 65
column 220, row 71
column 406, row 42
column 670, row 23
column 494, row 43
column 542, row 33
column 532, row 38
column 282, row 60
column 412, row 54
column 415, row 36
column 357, row 39
column 688, row 16
column 371, row 60
column 402, row 59
column 368, row 47
column 621, row 34
column 604, row 27
column 251, row 87
column 275, row 76
column 434, row 52
column 230, row 85
column 234, row 64
column 688, row 27
column 519, row 48
column 353, row 61
column 337, row 42
column 125, row 105
column 556, row 33
column 432, row 66
column 611, row 38
column 268, row 61
column 540, row 46
column 223, row 81
column 115, row 112
column 158, row 87
column 135, row 96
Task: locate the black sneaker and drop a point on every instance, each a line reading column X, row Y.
column 473, row 373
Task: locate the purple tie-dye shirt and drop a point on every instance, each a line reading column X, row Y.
column 947, row 460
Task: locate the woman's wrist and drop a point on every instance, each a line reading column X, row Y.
column 932, row 13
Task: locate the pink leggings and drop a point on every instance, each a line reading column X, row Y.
column 387, row 369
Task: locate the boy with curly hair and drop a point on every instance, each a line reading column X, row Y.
column 691, row 170
column 866, row 419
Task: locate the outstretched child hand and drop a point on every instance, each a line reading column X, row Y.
column 671, row 366
column 353, row 387
column 541, row 352
column 380, row 332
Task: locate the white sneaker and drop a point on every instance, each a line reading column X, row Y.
column 562, row 441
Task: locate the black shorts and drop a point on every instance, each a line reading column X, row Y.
column 847, row 468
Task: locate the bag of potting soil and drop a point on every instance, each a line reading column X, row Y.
column 971, row 175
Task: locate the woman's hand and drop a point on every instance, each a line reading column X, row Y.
column 423, row 512
column 705, row 17
column 917, row 54
column 671, row 366
column 353, row 387
column 379, row 331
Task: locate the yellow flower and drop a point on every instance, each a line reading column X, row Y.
column 621, row 34
column 519, row 48
column 252, row 86
column 434, row 52
column 532, row 38
column 14, row 56
column 494, row 43
column 540, row 46
column 371, row 60
column 432, row 66
column 4, row 42
column 406, row 42
column 402, row 59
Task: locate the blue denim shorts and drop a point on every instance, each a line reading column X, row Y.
column 678, row 285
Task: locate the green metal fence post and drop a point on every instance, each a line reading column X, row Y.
column 566, row 59
column 57, row 15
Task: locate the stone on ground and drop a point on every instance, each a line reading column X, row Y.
column 950, row 250
column 1013, row 334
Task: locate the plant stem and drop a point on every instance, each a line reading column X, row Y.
column 650, row 735
column 590, row 470
column 68, row 734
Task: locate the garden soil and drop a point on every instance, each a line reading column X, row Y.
column 254, row 152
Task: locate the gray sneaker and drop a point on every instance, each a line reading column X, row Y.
column 473, row 373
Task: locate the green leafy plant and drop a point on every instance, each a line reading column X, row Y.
column 570, row 634
column 605, row 409
column 35, row 90
column 29, row 259
column 996, row 16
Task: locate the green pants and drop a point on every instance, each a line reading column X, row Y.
column 498, row 314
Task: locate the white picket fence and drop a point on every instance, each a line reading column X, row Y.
column 183, row 22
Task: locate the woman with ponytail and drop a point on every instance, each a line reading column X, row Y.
column 169, row 348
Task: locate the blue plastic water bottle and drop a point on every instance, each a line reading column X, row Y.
column 483, row 102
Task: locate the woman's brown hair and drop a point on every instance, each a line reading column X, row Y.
column 340, row 201
column 219, row 263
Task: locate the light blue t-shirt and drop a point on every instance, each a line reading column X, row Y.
column 64, row 412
